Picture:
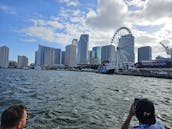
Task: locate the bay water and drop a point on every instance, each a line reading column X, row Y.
column 81, row 100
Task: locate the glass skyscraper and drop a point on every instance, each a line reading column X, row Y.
column 144, row 53
column 96, row 55
column 83, row 49
column 107, row 53
column 57, row 56
column 126, row 42
column 63, row 57
column 47, row 56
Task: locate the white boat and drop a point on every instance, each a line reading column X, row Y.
column 25, row 67
column 106, row 68
column 37, row 68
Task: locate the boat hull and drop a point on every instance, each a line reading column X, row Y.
column 106, row 70
column 109, row 71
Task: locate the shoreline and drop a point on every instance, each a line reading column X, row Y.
column 148, row 72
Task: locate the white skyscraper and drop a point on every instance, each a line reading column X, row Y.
column 83, row 49
column 70, row 55
column 144, row 53
column 107, row 53
column 126, row 42
column 22, row 61
column 4, row 57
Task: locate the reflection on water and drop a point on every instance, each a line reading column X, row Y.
column 78, row 100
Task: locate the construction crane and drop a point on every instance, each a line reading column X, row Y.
column 167, row 49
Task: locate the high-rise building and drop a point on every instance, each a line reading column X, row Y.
column 4, row 57
column 47, row 56
column 96, row 55
column 12, row 64
column 63, row 57
column 36, row 58
column 70, row 56
column 57, row 56
column 90, row 57
column 22, row 61
column 107, row 53
column 74, row 42
column 144, row 53
column 126, row 42
column 83, row 49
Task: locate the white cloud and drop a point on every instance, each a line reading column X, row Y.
column 50, row 23
column 109, row 14
column 31, row 40
column 136, row 3
column 55, row 24
column 91, row 13
column 69, row 2
column 113, row 14
column 46, row 34
column 76, row 12
column 51, row 30
column 155, row 12
column 156, row 9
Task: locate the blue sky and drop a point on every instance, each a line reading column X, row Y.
column 24, row 24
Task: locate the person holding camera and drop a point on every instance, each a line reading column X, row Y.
column 145, row 113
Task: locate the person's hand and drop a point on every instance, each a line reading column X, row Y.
column 126, row 124
column 132, row 110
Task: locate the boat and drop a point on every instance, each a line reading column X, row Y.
column 25, row 67
column 37, row 68
column 106, row 68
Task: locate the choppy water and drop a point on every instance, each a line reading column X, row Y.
column 80, row 100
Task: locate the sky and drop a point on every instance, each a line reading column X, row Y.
column 24, row 24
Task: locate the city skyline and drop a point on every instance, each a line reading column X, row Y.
column 25, row 24
column 49, row 56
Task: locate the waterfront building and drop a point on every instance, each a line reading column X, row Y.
column 90, row 57
column 160, row 62
column 63, row 57
column 144, row 53
column 96, row 55
column 107, row 53
column 36, row 58
column 70, row 55
column 47, row 56
column 4, row 57
column 22, row 61
column 57, row 56
column 83, row 49
column 126, row 42
column 12, row 64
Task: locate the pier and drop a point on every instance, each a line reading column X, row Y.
column 150, row 72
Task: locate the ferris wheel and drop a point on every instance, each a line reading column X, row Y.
column 120, row 60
